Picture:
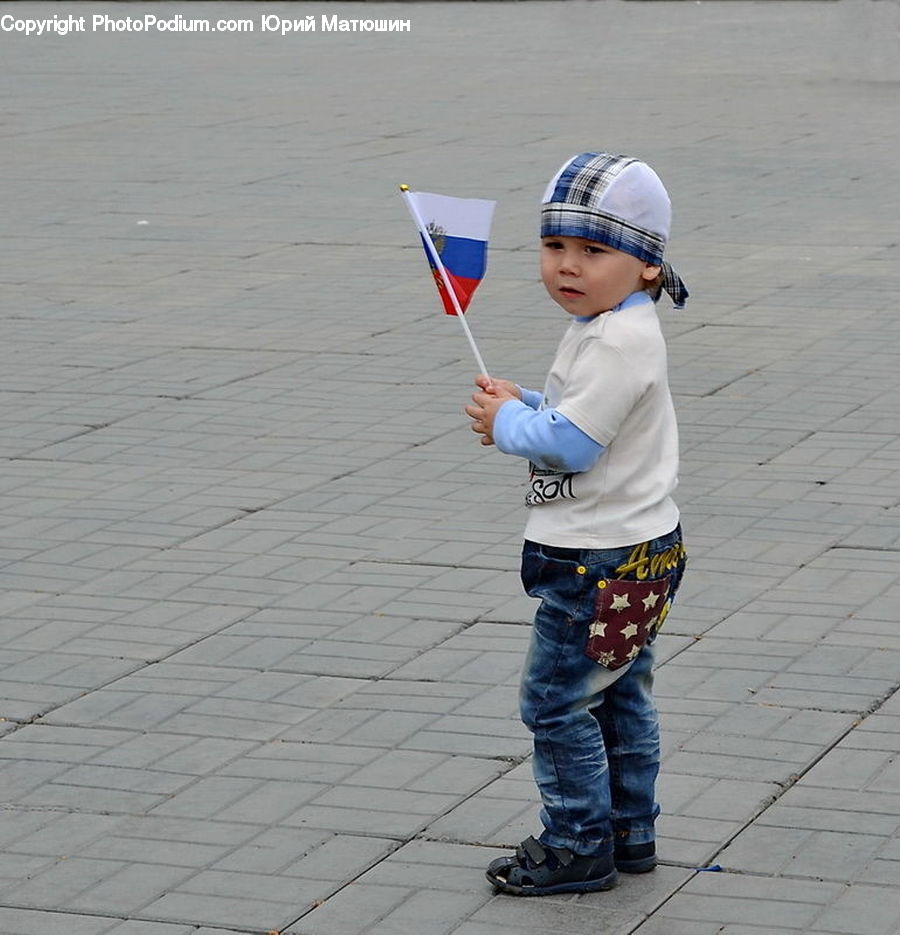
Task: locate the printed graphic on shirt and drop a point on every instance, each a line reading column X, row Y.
column 547, row 486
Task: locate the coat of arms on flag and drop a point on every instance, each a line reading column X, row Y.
column 626, row 614
column 455, row 235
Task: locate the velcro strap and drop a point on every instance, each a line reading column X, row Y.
column 563, row 855
column 534, row 851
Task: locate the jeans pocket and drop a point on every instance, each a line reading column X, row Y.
column 551, row 571
column 626, row 615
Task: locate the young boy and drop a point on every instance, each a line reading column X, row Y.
column 603, row 547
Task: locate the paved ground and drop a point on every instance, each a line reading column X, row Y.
column 261, row 626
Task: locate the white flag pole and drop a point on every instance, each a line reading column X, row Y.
column 420, row 224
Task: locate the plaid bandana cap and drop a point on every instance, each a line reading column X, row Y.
column 617, row 201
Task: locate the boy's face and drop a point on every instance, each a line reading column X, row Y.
column 585, row 277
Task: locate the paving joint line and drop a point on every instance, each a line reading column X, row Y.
column 138, row 917
column 866, row 548
column 420, row 835
column 794, row 778
column 412, row 563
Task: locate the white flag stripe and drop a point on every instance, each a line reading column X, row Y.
column 459, row 217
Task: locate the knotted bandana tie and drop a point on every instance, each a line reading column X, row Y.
column 674, row 285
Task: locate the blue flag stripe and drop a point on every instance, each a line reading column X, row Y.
column 461, row 256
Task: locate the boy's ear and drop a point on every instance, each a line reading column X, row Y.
column 651, row 272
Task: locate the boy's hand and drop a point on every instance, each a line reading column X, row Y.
column 489, row 385
column 483, row 408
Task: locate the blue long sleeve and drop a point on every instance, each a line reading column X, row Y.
column 545, row 437
column 531, row 398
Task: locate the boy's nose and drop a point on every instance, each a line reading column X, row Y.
column 568, row 263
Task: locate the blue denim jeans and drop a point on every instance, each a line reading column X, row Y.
column 596, row 732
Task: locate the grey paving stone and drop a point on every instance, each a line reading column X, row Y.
column 727, row 799
column 340, row 858
column 139, row 927
column 301, row 761
column 863, row 909
column 825, row 855
column 692, row 841
column 351, row 911
column 22, row 777
column 398, row 824
column 856, row 812
column 732, row 899
column 124, row 890
column 661, row 926
column 367, row 799
column 35, row 921
column 242, row 913
column 440, row 911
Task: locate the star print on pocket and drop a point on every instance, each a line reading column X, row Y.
column 626, row 613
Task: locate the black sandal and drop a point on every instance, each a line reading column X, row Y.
column 635, row 858
column 537, row 870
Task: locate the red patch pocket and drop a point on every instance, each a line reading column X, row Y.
column 626, row 613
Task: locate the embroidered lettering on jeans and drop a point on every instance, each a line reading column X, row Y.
column 653, row 566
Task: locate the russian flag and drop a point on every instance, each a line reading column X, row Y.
column 459, row 228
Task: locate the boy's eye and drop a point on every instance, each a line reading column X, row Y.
column 552, row 244
column 590, row 248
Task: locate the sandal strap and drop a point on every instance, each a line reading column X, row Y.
column 563, row 855
column 534, row 851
